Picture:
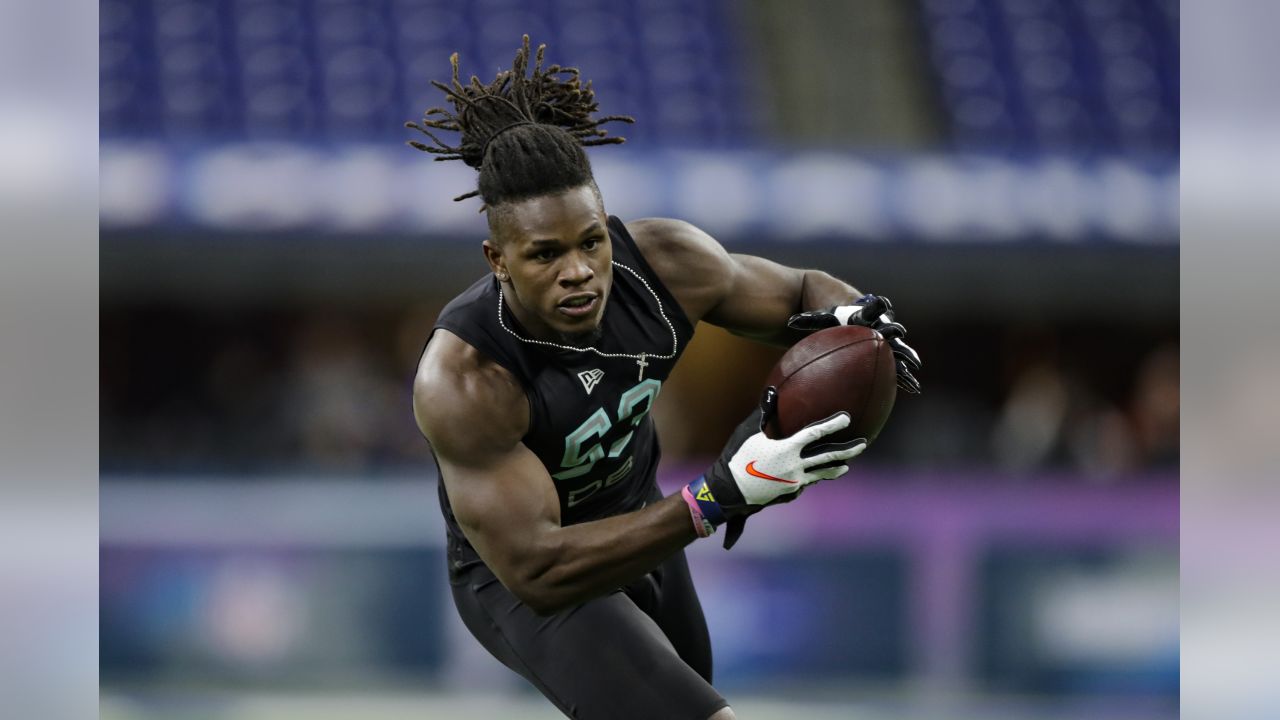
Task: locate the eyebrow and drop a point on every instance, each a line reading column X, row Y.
column 590, row 229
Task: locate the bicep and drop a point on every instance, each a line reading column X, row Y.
column 505, row 505
column 474, row 414
column 744, row 294
column 760, row 296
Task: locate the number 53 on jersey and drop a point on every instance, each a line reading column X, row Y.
column 585, row 446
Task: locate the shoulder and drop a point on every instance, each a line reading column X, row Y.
column 458, row 389
column 694, row 266
column 667, row 239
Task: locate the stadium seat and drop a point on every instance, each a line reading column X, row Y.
column 347, row 70
column 1079, row 76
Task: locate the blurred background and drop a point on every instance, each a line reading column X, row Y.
column 272, row 258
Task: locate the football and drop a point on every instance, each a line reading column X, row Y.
column 847, row 368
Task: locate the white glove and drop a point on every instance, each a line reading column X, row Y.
column 755, row 471
column 765, row 469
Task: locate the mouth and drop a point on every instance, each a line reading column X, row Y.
column 579, row 305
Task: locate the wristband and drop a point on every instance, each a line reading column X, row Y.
column 701, row 525
column 707, row 513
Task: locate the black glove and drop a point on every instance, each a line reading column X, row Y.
column 755, row 471
column 875, row 312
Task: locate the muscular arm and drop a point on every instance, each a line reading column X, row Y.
column 747, row 295
column 505, row 500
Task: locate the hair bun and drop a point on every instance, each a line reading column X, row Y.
column 554, row 96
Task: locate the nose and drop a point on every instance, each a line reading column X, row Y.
column 576, row 270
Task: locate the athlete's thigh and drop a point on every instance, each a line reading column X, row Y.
column 602, row 659
column 679, row 614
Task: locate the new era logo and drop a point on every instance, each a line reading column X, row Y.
column 589, row 379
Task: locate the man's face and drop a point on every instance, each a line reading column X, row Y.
column 555, row 251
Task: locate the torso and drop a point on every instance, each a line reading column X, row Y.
column 589, row 416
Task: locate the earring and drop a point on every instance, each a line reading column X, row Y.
column 502, row 277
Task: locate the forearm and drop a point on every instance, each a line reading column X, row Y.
column 820, row 290
column 817, row 290
column 584, row 561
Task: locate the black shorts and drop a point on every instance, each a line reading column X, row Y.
column 640, row 652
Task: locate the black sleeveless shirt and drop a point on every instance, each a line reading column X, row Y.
column 589, row 416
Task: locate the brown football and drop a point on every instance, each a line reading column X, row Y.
column 847, row 368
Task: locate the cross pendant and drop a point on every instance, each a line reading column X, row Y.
column 643, row 364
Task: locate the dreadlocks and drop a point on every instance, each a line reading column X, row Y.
column 524, row 134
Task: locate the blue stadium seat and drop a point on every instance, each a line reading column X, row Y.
column 278, row 91
column 1081, row 76
column 356, row 70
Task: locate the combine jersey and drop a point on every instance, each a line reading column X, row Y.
column 590, row 422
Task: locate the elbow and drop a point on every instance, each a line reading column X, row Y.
column 539, row 584
column 540, row 602
column 540, row 597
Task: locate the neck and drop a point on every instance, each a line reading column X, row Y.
column 582, row 339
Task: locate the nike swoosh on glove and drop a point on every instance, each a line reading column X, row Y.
column 756, row 471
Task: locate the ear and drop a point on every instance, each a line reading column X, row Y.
column 493, row 256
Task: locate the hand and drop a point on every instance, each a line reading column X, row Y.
column 755, row 471
column 875, row 312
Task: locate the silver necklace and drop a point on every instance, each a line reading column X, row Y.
column 640, row 358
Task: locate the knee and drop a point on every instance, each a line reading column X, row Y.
column 725, row 713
